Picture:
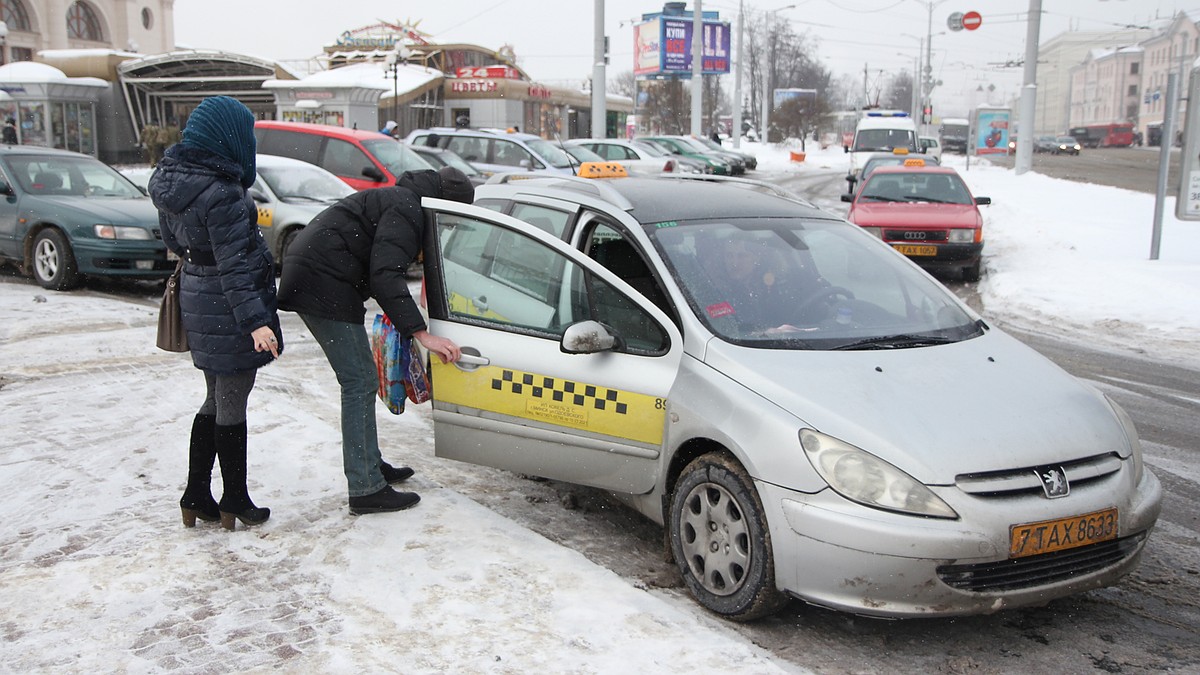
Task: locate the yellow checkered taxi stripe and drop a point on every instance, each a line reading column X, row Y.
column 565, row 403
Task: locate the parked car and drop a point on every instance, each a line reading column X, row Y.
column 750, row 160
column 288, row 193
column 439, row 157
column 580, row 155
column 925, row 212
column 736, row 161
column 782, row 392
column 1066, row 145
column 66, row 215
column 363, row 159
column 930, row 147
column 497, row 151
column 896, row 158
column 712, row 164
column 640, row 158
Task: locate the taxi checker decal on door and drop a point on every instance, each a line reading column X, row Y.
column 576, row 405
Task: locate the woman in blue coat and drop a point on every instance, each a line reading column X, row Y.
column 227, row 294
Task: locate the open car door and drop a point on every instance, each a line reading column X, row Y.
column 546, row 385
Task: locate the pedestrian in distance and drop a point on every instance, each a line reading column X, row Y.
column 227, row 295
column 356, row 249
column 389, row 129
column 10, row 132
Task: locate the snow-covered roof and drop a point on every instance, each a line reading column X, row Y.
column 362, row 75
column 30, row 72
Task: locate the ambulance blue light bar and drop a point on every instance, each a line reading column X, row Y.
column 887, row 113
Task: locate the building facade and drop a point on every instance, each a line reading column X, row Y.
column 1106, row 87
column 1057, row 58
column 1171, row 51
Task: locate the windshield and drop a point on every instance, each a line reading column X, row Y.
column 70, row 176
column 396, row 157
column 550, row 153
column 650, row 149
column 875, row 140
column 905, row 186
column 583, row 154
column 301, row 182
column 786, row 283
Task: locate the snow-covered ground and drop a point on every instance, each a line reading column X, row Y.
column 97, row 573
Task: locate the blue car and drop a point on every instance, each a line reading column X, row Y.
column 67, row 215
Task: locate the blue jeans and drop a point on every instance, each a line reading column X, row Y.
column 348, row 349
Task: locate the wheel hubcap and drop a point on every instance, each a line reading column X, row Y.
column 715, row 539
column 45, row 259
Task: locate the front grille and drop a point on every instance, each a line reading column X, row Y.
column 1039, row 570
column 1025, row 480
column 916, row 236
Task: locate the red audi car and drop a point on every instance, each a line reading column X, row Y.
column 925, row 212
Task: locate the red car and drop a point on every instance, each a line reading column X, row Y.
column 925, row 212
column 362, row 159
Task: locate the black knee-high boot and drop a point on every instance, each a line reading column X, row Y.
column 197, row 500
column 235, row 502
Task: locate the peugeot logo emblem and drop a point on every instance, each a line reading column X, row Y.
column 1054, row 482
column 914, row 235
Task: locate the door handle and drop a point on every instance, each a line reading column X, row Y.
column 480, row 303
column 473, row 360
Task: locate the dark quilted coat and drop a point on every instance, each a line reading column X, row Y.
column 357, row 249
column 228, row 285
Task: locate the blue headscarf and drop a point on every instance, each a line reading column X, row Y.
column 224, row 127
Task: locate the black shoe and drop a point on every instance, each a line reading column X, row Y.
column 393, row 475
column 383, row 501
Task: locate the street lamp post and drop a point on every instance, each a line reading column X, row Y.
column 396, row 58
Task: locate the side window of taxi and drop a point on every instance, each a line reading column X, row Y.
column 550, row 221
column 500, row 277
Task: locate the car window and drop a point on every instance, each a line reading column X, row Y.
column 77, row 176
column 345, row 159
column 549, row 152
column 551, row 221
column 508, row 153
column 791, row 283
column 303, row 183
column 498, row 277
column 621, row 256
column 467, row 147
column 304, row 147
column 396, row 156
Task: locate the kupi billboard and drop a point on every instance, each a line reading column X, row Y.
column 663, row 46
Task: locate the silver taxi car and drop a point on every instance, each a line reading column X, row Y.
column 806, row 412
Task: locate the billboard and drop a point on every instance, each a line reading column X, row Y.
column 991, row 131
column 663, row 46
column 781, row 96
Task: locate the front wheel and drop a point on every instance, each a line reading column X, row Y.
column 971, row 272
column 720, row 540
column 54, row 266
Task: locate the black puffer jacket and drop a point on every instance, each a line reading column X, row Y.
column 228, row 285
column 359, row 248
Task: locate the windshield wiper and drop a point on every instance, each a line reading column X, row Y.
column 881, row 199
column 895, row 342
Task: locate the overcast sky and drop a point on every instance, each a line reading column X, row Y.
column 553, row 38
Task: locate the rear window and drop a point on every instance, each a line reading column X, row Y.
column 397, row 157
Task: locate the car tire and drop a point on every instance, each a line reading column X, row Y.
column 971, row 272
column 720, row 540
column 286, row 243
column 53, row 262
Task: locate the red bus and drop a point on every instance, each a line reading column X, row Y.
column 1104, row 135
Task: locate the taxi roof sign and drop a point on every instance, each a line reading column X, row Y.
column 602, row 170
column 900, row 151
column 914, row 161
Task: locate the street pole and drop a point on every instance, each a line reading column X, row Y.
column 599, row 109
column 1164, row 162
column 1029, row 91
column 736, row 131
column 697, row 67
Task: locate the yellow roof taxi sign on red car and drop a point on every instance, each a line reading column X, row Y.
column 925, row 212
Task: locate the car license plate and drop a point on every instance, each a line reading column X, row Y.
column 908, row 249
column 1056, row 535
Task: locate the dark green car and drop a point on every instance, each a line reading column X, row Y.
column 676, row 146
column 66, row 215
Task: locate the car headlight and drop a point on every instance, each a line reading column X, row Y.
column 862, row 477
column 122, row 232
column 1131, row 434
column 960, row 236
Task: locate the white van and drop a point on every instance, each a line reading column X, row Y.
column 881, row 131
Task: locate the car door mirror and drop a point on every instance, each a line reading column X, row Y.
column 983, row 200
column 847, row 197
column 6, row 189
column 373, row 173
column 588, row 337
column 527, row 165
column 258, row 196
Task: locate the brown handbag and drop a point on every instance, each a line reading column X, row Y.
column 171, row 336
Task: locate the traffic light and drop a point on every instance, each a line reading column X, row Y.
column 927, row 113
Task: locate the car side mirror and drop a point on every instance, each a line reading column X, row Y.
column 373, row 173
column 6, row 189
column 847, row 197
column 258, row 196
column 588, row 337
column 983, row 200
column 845, row 148
column 528, row 165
